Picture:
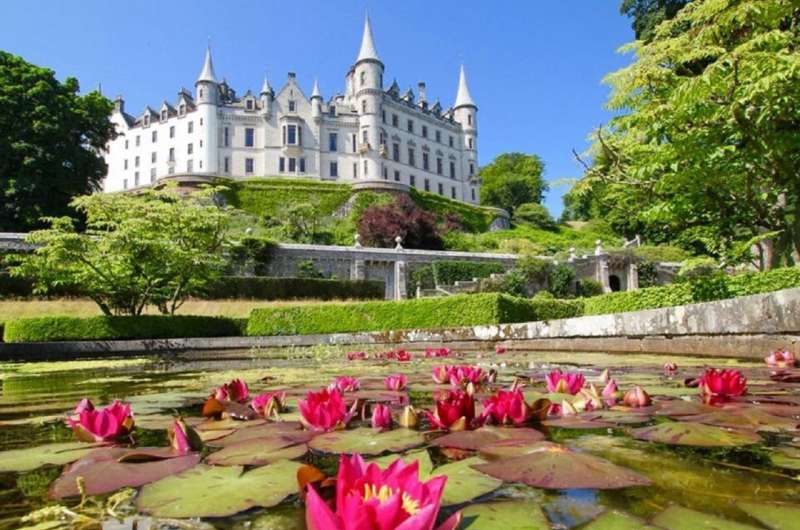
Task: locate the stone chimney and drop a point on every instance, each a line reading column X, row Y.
column 423, row 100
column 119, row 104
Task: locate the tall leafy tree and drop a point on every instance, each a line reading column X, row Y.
column 513, row 179
column 647, row 14
column 706, row 144
column 51, row 140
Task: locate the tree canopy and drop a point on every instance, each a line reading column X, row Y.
column 646, row 15
column 705, row 147
column 51, row 139
column 513, row 179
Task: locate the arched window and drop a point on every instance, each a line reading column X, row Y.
column 201, row 93
column 363, row 106
column 363, row 78
column 469, row 119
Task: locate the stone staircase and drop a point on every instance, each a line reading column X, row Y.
column 459, row 287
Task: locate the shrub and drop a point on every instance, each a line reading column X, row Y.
column 380, row 224
column 561, row 281
column 252, row 254
column 441, row 312
column 648, row 274
column 307, row 269
column 764, row 282
column 697, row 268
column 48, row 329
column 261, row 288
column 473, row 218
column 589, row 288
column 534, row 214
column 449, row 272
column 267, row 196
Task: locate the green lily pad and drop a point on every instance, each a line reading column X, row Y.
column 787, row 458
column 615, row 520
column 695, row 434
column 45, row 525
column 773, row 516
column 425, row 463
column 464, row 483
column 680, row 518
column 276, row 435
column 474, row 440
column 219, row 491
column 366, row 441
column 551, row 466
column 30, row 458
column 745, row 417
column 255, row 452
column 506, row 515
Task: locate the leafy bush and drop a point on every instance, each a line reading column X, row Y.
column 442, row 312
column 261, row 288
column 381, row 224
column 697, row 268
column 534, row 214
column 449, row 272
column 307, row 269
column 589, row 288
column 659, row 253
column 252, row 254
column 472, row 218
column 48, row 329
column 648, row 274
column 764, row 282
column 268, row 196
column 561, row 281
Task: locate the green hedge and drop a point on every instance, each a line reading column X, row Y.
column 267, row 196
column 448, row 272
column 262, row 288
column 48, row 329
column 474, row 218
column 699, row 290
column 443, row 312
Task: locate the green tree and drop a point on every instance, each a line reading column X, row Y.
column 647, row 14
column 534, row 214
column 513, row 179
column 51, row 141
column 156, row 248
column 706, row 144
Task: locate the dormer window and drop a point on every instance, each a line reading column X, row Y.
column 164, row 115
column 182, row 109
column 249, row 104
column 332, row 110
column 147, row 119
column 292, row 105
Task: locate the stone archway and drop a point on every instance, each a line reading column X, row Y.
column 614, row 283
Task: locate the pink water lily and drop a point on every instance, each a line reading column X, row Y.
column 267, row 404
column 395, row 382
column 610, row 393
column 368, row 498
column 719, row 385
column 670, row 369
column 500, row 349
column 346, row 384
column 324, row 410
column 182, row 438
column 506, row 407
column 356, row 356
column 236, row 390
column 381, row 417
column 455, row 411
column 564, row 383
column 637, row 397
column 104, row 425
column 441, row 374
column 781, row 359
column 461, row 376
column 438, row 352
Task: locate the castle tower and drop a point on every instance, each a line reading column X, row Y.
column 267, row 95
column 316, row 101
column 367, row 82
column 207, row 99
column 465, row 112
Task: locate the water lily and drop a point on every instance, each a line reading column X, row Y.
column 104, row 425
column 408, row 418
column 500, row 349
column 670, row 369
column 605, row 377
column 267, row 404
column 369, row 498
column 589, row 399
column 718, row 385
column 356, row 356
column 381, row 417
column 182, row 438
column 454, row 412
column 610, row 393
column 564, row 383
column 567, row 408
column 463, row 375
column 395, row 382
column 345, row 383
column 324, row 410
column 235, row 390
column 781, row 359
column 438, row 352
column 506, row 407
column 395, row 355
column 441, row 374
column 637, row 397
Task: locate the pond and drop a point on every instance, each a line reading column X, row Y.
column 663, row 458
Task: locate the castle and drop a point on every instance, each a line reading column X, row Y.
column 368, row 134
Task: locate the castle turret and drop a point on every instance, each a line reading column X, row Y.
column 316, row 101
column 367, row 78
column 207, row 92
column 465, row 112
column 267, row 95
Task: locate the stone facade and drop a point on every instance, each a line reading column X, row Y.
column 367, row 133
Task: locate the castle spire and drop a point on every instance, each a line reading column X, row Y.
column 367, row 50
column 463, row 97
column 207, row 73
column 265, row 88
column 315, row 93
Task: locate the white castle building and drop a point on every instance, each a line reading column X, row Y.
column 368, row 133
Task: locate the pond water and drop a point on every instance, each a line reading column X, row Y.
column 736, row 467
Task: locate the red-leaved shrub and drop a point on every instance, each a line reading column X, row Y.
column 381, row 223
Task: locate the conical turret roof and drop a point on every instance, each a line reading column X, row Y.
column 463, row 97
column 367, row 50
column 207, row 73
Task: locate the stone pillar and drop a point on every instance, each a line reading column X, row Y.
column 601, row 272
column 400, row 280
column 633, row 276
column 358, row 270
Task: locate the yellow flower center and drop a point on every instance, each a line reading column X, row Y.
column 384, row 493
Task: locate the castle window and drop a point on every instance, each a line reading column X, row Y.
column 182, row 110
column 172, row 154
column 410, row 126
column 439, row 136
column 412, row 180
column 396, row 152
column 201, row 93
column 438, row 165
column 471, row 169
column 249, row 104
column 366, row 168
column 136, row 161
column 227, row 165
column 126, row 144
column 281, row 164
column 470, row 143
column 353, row 138
column 427, row 184
column 190, row 127
column 385, row 173
column 201, row 145
column 395, row 120
column 302, row 165
column 292, row 165
column 248, row 165
column 365, row 136
column 189, row 165
column 363, row 78
column 333, row 142
column 163, row 115
column 153, row 175
column 332, row 110
column 292, row 105
column 290, row 135
column 452, row 170
column 138, row 140
column 147, row 119
column 469, row 119
column 153, row 157
column 424, row 131
column 172, row 131
column 441, row 189
column 154, row 136
column 249, row 139
column 396, row 176
column 453, row 192
column 363, row 106
column 136, row 179
column 125, row 164
column 411, row 160
column 473, row 193
column 226, row 137
column 383, row 116
column 355, row 170
column 451, row 141
column 425, row 163
column 124, row 184
column 334, row 169
column 201, row 122
column 189, row 149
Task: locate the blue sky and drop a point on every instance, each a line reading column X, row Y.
column 534, row 67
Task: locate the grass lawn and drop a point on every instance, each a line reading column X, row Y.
column 75, row 307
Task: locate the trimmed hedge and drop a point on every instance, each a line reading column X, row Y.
column 699, row 290
column 267, row 196
column 448, row 272
column 263, row 288
column 49, row 329
column 443, row 312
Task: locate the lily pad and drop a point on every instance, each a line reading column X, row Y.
column 30, row 458
column 695, row 434
column 474, row 440
column 552, row 466
column 745, row 417
column 274, row 435
column 579, row 422
column 773, row 516
column 787, row 458
column 366, row 441
column 219, row 491
column 506, row 515
column 464, row 483
column 103, row 472
column 255, row 452
column 615, row 520
column 680, row 518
